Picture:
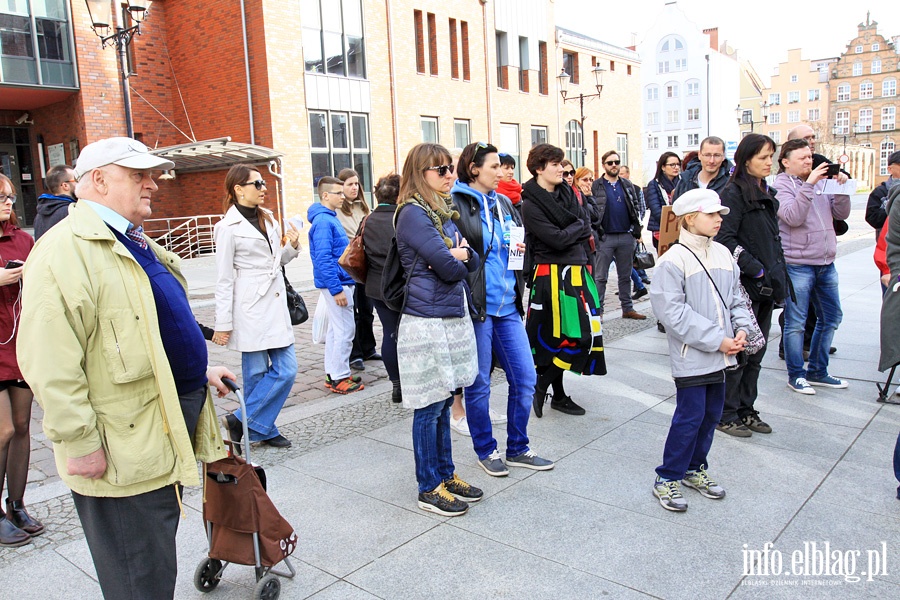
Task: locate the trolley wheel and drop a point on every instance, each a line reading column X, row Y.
column 206, row 576
column 267, row 588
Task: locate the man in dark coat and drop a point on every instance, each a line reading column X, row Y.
column 876, row 207
column 54, row 207
column 710, row 170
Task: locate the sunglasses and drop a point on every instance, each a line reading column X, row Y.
column 442, row 170
column 610, row 163
column 568, row 173
column 259, row 183
column 10, row 198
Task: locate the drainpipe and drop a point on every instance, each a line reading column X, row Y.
column 247, row 70
column 390, row 28
column 487, row 72
column 707, row 96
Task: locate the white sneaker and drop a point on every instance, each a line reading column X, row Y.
column 460, row 426
column 496, row 418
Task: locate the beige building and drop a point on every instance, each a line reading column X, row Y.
column 797, row 95
column 864, row 95
column 751, row 110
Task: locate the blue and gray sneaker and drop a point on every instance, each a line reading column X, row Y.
column 493, row 465
column 669, row 494
column 529, row 460
column 801, row 386
column 703, row 483
column 828, row 381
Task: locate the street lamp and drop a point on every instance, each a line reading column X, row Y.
column 839, row 130
column 747, row 119
column 102, row 21
column 563, row 80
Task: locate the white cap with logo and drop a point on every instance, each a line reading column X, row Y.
column 699, row 200
column 121, row 151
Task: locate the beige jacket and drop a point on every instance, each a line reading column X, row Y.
column 90, row 347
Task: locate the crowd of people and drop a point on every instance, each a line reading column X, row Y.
column 128, row 406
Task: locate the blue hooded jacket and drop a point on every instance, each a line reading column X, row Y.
column 501, row 296
column 327, row 241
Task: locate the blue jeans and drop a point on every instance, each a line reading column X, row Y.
column 636, row 279
column 431, row 444
column 506, row 338
column 266, row 387
column 697, row 412
column 819, row 285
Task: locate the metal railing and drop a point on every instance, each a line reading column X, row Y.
column 188, row 237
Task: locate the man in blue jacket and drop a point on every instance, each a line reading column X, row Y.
column 327, row 241
column 710, row 170
column 54, row 207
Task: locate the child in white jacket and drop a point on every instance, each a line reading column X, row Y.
column 694, row 295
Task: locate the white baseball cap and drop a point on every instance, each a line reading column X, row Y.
column 699, row 200
column 121, row 151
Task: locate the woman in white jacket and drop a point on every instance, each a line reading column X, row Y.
column 251, row 308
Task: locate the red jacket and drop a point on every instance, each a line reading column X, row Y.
column 15, row 244
column 881, row 250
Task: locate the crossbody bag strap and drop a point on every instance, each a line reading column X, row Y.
column 725, row 304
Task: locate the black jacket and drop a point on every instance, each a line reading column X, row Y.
column 470, row 226
column 50, row 211
column 548, row 244
column 377, row 241
column 876, row 207
column 688, row 178
column 753, row 225
column 598, row 191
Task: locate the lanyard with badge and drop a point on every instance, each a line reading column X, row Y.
column 513, row 235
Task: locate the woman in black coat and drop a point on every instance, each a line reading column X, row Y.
column 750, row 232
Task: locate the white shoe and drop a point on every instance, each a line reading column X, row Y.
column 460, row 426
column 496, row 418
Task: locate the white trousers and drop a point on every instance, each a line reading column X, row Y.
column 339, row 338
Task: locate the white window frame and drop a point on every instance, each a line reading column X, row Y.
column 437, row 128
column 886, row 149
column 876, row 47
column 865, row 118
column 468, row 126
column 671, row 141
column 776, row 136
column 662, row 66
column 653, row 118
column 653, row 143
column 671, row 90
column 875, row 67
column 653, row 93
column 857, row 68
column 693, row 114
column 889, row 85
column 775, row 118
column 793, row 116
column 813, row 95
column 843, row 92
column 813, row 114
column 866, row 90
column 842, row 122
column 774, row 98
column 888, row 118
column 858, row 49
column 794, row 97
column 794, row 79
column 672, row 116
column 693, row 139
column 693, row 88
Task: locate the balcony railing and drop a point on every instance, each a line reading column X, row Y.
column 188, row 237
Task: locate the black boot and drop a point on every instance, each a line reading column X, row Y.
column 540, row 396
column 10, row 535
column 19, row 517
column 397, row 393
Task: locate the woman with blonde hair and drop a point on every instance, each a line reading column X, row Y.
column 16, row 525
column 436, row 349
column 352, row 212
column 251, row 310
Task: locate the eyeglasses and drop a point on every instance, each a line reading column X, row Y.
column 568, row 173
column 259, row 183
column 712, row 156
column 442, row 170
column 672, row 165
column 71, row 181
column 7, row 198
column 610, row 163
column 339, row 193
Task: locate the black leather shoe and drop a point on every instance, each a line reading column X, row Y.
column 357, row 365
column 279, row 441
column 397, row 393
column 660, row 327
column 566, row 405
column 640, row 294
column 235, row 431
column 646, row 280
column 832, row 350
column 18, row 516
column 373, row 356
column 11, row 536
column 538, row 403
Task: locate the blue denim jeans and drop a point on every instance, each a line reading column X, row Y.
column 268, row 378
column 504, row 337
column 636, row 279
column 819, row 285
column 431, row 444
column 697, row 412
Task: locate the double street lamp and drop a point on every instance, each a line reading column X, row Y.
column 102, row 21
column 840, row 130
column 745, row 117
column 563, row 80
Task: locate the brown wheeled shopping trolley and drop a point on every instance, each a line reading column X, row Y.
column 242, row 524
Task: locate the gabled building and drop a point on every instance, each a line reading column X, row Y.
column 798, row 94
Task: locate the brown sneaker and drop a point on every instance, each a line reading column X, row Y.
column 633, row 314
column 346, row 386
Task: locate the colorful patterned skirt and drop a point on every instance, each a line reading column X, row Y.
column 563, row 320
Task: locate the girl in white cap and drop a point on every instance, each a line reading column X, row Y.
column 694, row 295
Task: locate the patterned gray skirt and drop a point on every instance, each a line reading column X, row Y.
column 435, row 356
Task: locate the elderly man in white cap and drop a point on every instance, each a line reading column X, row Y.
column 119, row 365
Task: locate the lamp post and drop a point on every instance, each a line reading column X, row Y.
column 839, row 130
column 563, row 80
column 101, row 15
column 744, row 119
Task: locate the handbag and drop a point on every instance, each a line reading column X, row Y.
column 642, row 258
column 394, row 280
column 296, row 306
column 353, row 259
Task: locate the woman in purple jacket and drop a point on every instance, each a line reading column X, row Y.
column 436, row 349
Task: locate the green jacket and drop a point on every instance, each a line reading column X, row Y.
column 90, row 348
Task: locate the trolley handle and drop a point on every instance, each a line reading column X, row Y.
column 230, row 384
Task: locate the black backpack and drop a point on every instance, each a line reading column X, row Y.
column 394, row 280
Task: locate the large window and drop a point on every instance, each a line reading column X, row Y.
column 430, row 131
column 46, row 27
column 812, row 114
column 538, row 135
column 575, row 143
column 889, row 88
column 339, row 140
column 866, row 90
column 888, row 117
column 671, row 116
column 793, row 97
column 887, row 147
column 652, row 93
column 857, row 68
column 461, row 135
column 774, row 98
column 812, row 95
column 876, row 66
column 842, row 122
column 793, row 116
column 333, row 41
column 671, row 141
column 509, row 144
column 693, row 114
column 865, row 119
column 653, row 118
column 775, row 118
column 843, row 92
column 693, row 88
